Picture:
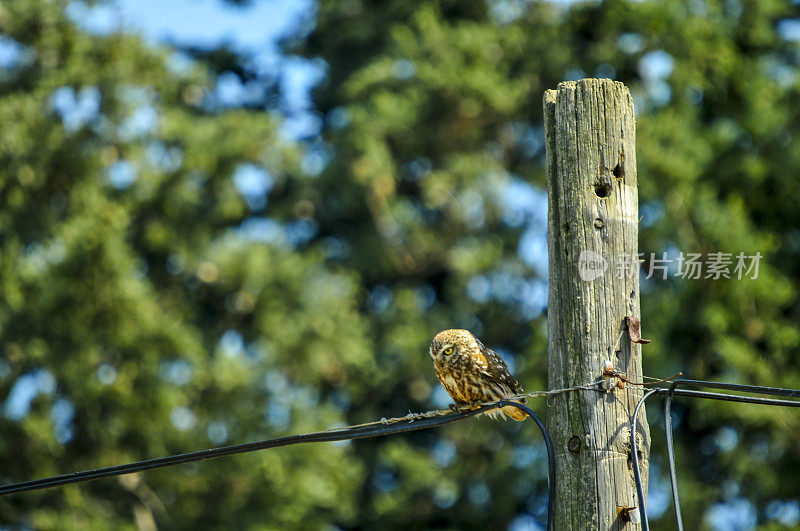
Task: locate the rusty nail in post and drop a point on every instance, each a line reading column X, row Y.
column 634, row 326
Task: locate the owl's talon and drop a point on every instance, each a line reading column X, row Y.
column 460, row 408
column 466, row 406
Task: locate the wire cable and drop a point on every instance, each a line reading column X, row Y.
column 339, row 434
column 731, row 398
column 551, row 460
column 432, row 419
column 674, row 391
column 635, row 455
column 755, row 389
column 671, row 454
column 412, row 422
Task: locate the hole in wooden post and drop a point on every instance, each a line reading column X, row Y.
column 574, row 444
column 602, row 189
column 619, row 173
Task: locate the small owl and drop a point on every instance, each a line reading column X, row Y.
column 472, row 373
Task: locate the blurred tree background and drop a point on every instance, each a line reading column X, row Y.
column 177, row 274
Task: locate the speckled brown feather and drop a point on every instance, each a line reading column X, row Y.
column 473, row 373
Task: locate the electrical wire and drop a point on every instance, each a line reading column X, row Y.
column 671, row 454
column 755, row 389
column 673, row 390
column 339, row 434
column 411, row 422
column 635, row 455
column 731, row 398
column 551, row 460
column 432, row 419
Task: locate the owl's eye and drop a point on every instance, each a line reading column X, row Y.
column 448, row 351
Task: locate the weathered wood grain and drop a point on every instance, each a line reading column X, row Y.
column 593, row 208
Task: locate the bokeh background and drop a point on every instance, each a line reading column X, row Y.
column 227, row 221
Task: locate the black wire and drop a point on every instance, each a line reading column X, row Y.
column 150, row 464
column 731, row 398
column 671, row 455
column 755, row 389
column 551, row 461
column 672, row 390
column 360, row 432
column 635, row 454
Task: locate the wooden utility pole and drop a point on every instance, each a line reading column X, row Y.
column 594, row 283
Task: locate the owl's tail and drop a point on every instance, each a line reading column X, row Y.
column 515, row 413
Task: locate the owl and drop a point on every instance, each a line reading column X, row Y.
column 472, row 373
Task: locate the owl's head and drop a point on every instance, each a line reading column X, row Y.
column 456, row 342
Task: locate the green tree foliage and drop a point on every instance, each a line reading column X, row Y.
column 142, row 309
column 176, row 276
column 715, row 84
